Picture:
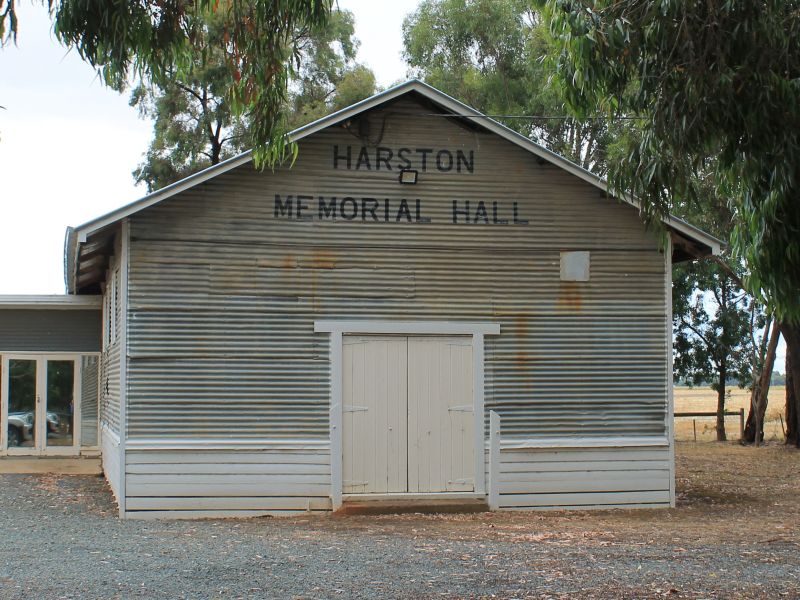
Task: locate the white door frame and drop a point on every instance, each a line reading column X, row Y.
column 338, row 328
column 41, row 448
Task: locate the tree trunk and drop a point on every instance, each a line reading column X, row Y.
column 791, row 333
column 755, row 418
column 723, row 376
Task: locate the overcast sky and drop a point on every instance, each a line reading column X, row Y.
column 68, row 144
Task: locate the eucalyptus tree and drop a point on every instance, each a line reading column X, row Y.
column 489, row 54
column 707, row 79
column 194, row 124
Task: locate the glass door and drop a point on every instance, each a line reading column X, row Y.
column 20, row 400
column 60, row 404
column 40, row 414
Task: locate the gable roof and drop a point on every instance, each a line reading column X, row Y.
column 702, row 242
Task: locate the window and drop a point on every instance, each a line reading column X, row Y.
column 110, row 303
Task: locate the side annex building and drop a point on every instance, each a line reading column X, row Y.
column 425, row 306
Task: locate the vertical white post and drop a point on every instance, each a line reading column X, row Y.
column 336, row 419
column 77, row 401
column 670, row 395
column 41, row 405
column 478, row 413
column 124, row 259
column 3, row 404
column 494, row 461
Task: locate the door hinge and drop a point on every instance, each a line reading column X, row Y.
column 349, row 483
column 462, row 408
column 462, row 481
column 352, row 408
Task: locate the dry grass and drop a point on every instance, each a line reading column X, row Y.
column 703, row 399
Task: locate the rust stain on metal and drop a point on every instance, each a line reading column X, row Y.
column 284, row 262
column 289, row 262
column 320, row 260
column 569, row 297
column 323, row 259
column 522, row 358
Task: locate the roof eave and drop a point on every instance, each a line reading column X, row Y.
column 53, row 302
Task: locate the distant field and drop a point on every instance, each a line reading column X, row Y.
column 704, row 399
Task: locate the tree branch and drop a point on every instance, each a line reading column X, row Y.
column 188, row 90
column 696, row 331
column 728, row 271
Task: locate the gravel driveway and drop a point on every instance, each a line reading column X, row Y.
column 60, row 538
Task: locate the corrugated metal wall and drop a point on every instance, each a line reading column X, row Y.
column 49, row 330
column 110, row 357
column 223, row 294
column 89, row 405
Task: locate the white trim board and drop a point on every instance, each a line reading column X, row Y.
column 407, row 327
column 212, row 444
column 670, row 416
column 63, row 355
column 123, row 355
column 549, row 443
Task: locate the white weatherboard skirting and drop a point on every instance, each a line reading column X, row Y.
column 494, row 460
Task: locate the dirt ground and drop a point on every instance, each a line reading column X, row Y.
column 735, row 533
column 704, row 399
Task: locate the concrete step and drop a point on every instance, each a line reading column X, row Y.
column 64, row 465
column 421, row 505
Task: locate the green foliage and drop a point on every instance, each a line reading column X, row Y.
column 355, row 85
column 327, row 76
column 708, row 79
column 194, row 123
column 159, row 39
column 489, row 53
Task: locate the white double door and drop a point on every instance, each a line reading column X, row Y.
column 408, row 416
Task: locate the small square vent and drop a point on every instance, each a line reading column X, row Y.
column 575, row 266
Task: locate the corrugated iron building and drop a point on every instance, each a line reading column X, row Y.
column 331, row 332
